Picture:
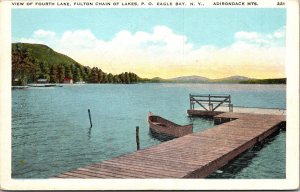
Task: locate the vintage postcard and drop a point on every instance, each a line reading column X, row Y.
column 149, row 95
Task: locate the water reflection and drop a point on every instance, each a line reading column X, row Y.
column 159, row 136
column 90, row 133
column 234, row 167
column 47, row 124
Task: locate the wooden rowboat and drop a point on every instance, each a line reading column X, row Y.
column 163, row 126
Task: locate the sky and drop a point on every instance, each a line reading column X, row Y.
column 213, row 43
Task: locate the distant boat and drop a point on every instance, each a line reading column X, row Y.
column 42, row 85
column 160, row 125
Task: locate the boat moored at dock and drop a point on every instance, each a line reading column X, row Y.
column 163, row 126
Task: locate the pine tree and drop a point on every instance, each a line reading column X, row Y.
column 61, row 73
column 44, row 70
column 105, row 79
column 83, row 74
column 93, row 77
column 100, row 76
column 37, row 71
column 22, row 64
column 122, row 78
column 87, row 72
column 53, row 74
column 110, row 78
column 133, row 77
column 116, row 79
column 77, row 75
column 68, row 71
column 127, row 78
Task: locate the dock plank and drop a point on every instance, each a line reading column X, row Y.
column 192, row 156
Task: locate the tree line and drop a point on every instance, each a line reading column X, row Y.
column 265, row 81
column 26, row 69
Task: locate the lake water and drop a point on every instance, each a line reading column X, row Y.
column 51, row 130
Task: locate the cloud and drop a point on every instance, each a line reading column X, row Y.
column 165, row 53
column 243, row 35
column 277, row 38
column 30, row 40
column 42, row 34
column 80, row 39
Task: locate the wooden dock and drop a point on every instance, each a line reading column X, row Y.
column 195, row 155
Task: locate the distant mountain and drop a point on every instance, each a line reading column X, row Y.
column 231, row 79
column 190, row 79
column 158, row 79
column 45, row 54
column 201, row 79
column 31, row 62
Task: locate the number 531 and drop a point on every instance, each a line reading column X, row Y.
column 280, row 3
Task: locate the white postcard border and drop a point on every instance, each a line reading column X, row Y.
column 292, row 130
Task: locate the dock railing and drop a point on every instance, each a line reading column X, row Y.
column 210, row 102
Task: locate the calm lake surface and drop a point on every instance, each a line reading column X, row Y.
column 51, row 131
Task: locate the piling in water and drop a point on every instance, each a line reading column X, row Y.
column 90, row 117
column 137, row 138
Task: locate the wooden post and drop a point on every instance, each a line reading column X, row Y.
column 209, row 105
column 230, row 106
column 90, row 117
column 191, row 102
column 137, row 137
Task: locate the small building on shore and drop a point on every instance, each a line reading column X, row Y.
column 16, row 82
column 42, row 81
column 68, row 80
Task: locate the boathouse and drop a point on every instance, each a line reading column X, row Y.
column 68, row 80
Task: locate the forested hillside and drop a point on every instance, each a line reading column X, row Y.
column 265, row 81
column 31, row 62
